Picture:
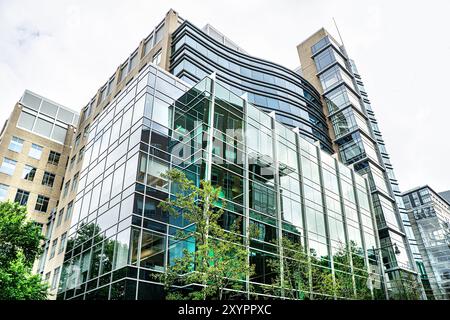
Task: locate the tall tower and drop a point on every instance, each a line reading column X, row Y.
column 358, row 141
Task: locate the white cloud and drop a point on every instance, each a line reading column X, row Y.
column 66, row 49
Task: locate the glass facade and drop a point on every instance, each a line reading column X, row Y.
column 269, row 86
column 44, row 117
column 270, row 176
column 429, row 214
column 359, row 142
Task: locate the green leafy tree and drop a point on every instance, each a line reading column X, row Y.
column 19, row 248
column 219, row 261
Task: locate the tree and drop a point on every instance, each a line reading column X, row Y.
column 19, row 248
column 219, row 260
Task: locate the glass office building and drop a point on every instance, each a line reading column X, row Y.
column 269, row 174
column 429, row 214
column 162, row 109
column 360, row 143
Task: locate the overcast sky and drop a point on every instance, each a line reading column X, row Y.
column 65, row 50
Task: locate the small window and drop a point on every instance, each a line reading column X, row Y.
column 62, row 243
column 48, row 179
column 53, row 158
column 35, row 151
column 16, row 144
column 133, row 62
column 103, row 93
column 75, row 182
column 77, row 140
column 53, row 248
column 66, row 188
column 42, row 203
column 28, row 173
column 8, row 166
column 111, row 85
column 124, row 71
column 69, row 211
column 22, row 197
column 148, row 45
column 55, row 278
column 72, row 162
column 3, row 191
column 60, row 217
column 81, row 154
column 157, row 58
column 159, row 34
column 86, row 131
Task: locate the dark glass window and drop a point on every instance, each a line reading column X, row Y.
column 72, row 162
column 151, row 210
column 75, row 182
column 53, row 158
column 60, row 217
column 81, row 154
column 66, row 188
column 48, row 179
column 69, row 211
column 42, row 203
column 53, row 248
column 22, row 197
column 152, row 251
column 138, row 204
column 77, row 140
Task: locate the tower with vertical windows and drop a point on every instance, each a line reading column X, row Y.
column 358, row 141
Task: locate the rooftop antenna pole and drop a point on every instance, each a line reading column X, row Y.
column 335, row 24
